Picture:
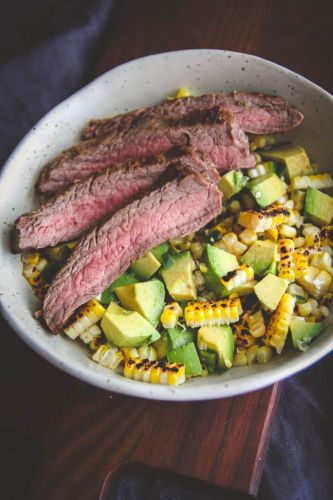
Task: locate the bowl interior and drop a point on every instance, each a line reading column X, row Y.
column 141, row 83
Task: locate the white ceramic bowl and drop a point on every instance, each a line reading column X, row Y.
column 141, row 83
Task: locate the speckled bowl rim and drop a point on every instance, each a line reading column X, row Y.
column 222, row 389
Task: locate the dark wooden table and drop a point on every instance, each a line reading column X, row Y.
column 64, row 436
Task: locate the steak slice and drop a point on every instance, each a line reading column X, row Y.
column 179, row 207
column 212, row 131
column 255, row 113
column 69, row 214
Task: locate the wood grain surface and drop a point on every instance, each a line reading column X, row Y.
column 77, row 433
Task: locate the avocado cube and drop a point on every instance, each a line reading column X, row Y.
column 231, row 183
column 210, row 360
column 220, row 340
column 124, row 328
column 270, row 290
column 160, row 250
column 219, row 263
column 188, row 356
column 260, row 256
column 178, row 277
column 177, row 337
column 293, row 157
column 318, row 207
column 145, row 267
column 125, row 279
column 303, row 332
column 147, row 298
column 267, row 188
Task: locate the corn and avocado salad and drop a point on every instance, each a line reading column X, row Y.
column 255, row 281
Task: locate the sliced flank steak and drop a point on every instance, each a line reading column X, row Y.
column 69, row 214
column 179, row 207
column 255, row 113
column 213, row 132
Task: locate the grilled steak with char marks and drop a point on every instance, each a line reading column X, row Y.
column 179, row 207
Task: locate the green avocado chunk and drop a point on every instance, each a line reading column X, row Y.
column 270, row 290
column 303, row 332
column 232, row 182
column 147, row 298
column 125, row 279
column 318, row 207
column 293, row 157
column 177, row 337
column 261, row 255
column 219, row 263
column 145, row 267
column 124, row 328
column 178, row 277
column 188, row 356
column 210, row 360
column 160, row 250
column 220, row 340
column 267, row 188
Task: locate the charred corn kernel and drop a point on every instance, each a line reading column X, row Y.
column 108, row 356
column 298, row 198
column 278, row 325
column 318, row 181
column 230, row 239
column 289, row 204
column 264, row 354
column 297, row 290
column 272, row 234
column 203, row 268
column 240, row 359
column 263, row 220
column 171, row 314
column 87, row 316
column 212, row 313
column 304, row 309
column 295, row 218
column 221, row 228
column 324, row 311
column 242, row 336
column 96, row 342
column 183, row 92
column 248, row 237
column 326, row 236
column 283, row 199
column 322, row 261
column 301, row 262
column 234, row 206
column 299, row 242
column 155, row 372
column 251, row 354
column 312, row 235
column 147, row 352
column 30, row 271
column 315, row 281
column 286, row 264
column 237, row 277
column 30, row 258
column 196, row 250
column 130, row 352
column 287, row 231
column 90, row 334
column 239, row 248
column 256, row 324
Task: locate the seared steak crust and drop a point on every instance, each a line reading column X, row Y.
column 255, row 113
column 179, row 207
column 211, row 131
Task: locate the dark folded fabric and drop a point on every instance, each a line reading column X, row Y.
column 46, row 54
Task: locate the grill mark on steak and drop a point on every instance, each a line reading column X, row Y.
column 72, row 212
column 179, row 207
column 255, row 113
column 213, row 132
